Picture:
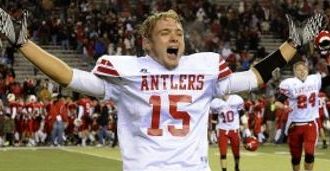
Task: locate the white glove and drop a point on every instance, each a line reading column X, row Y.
column 301, row 33
column 294, row 30
column 15, row 31
column 313, row 26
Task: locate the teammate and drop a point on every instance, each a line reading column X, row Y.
column 323, row 117
column 163, row 98
column 59, row 120
column 85, row 117
column 12, row 105
column 229, row 109
column 282, row 112
column 256, row 118
column 212, row 130
column 302, row 92
column 322, row 44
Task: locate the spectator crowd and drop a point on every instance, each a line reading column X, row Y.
column 35, row 112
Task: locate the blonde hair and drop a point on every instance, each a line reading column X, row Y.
column 148, row 25
column 299, row 63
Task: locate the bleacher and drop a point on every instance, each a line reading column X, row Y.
column 24, row 69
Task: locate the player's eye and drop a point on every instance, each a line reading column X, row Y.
column 164, row 32
column 180, row 34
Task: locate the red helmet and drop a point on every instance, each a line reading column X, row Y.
column 251, row 143
column 322, row 94
column 322, row 42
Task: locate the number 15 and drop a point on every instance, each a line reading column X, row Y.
column 155, row 101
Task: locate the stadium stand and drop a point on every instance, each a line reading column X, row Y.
column 79, row 31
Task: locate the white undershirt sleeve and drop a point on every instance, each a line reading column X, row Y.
column 80, row 112
column 237, row 82
column 87, row 83
column 14, row 112
column 326, row 113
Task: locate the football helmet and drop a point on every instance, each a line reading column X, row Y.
column 77, row 122
column 251, row 143
column 322, row 42
column 32, row 98
column 11, row 97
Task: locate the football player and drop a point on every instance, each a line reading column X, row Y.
column 322, row 44
column 33, row 107
column 282, row 111
column 163, row 98
column 59, row 119
column 323, row 117
column 256, row 118
column 85, row 117
column 229, row 109
column 302, row 93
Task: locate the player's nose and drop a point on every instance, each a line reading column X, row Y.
column 174, row 37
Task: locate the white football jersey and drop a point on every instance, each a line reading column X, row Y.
column 228, row 111
column 163, row 114
column 323, row 110
column 303, row 97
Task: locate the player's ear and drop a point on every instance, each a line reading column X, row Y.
column 146, row 44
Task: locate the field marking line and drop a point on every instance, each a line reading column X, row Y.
column 26, row 148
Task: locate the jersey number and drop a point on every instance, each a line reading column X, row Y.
column 302, row 101
column 155, row 101
column 228, row 116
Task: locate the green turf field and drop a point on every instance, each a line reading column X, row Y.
column 267, row 158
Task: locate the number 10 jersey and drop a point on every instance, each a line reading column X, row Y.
column 228, row 111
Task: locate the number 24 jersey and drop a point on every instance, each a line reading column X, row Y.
column 302, row 97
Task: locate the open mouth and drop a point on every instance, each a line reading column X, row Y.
column 172, row 52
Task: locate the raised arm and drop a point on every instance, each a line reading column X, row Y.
column 17, row 35
column 49, row 64
column 299, row 34
column 81, row 81
column 262, row 72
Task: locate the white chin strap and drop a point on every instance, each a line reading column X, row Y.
column 324, row 52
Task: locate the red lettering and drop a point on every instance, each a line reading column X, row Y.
column 164, row 77
column 144, row 83
column 191, row 81
column 174, row 86
column 172, row 82
column 182, row 79
column 154, row 82
column 200, row 80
